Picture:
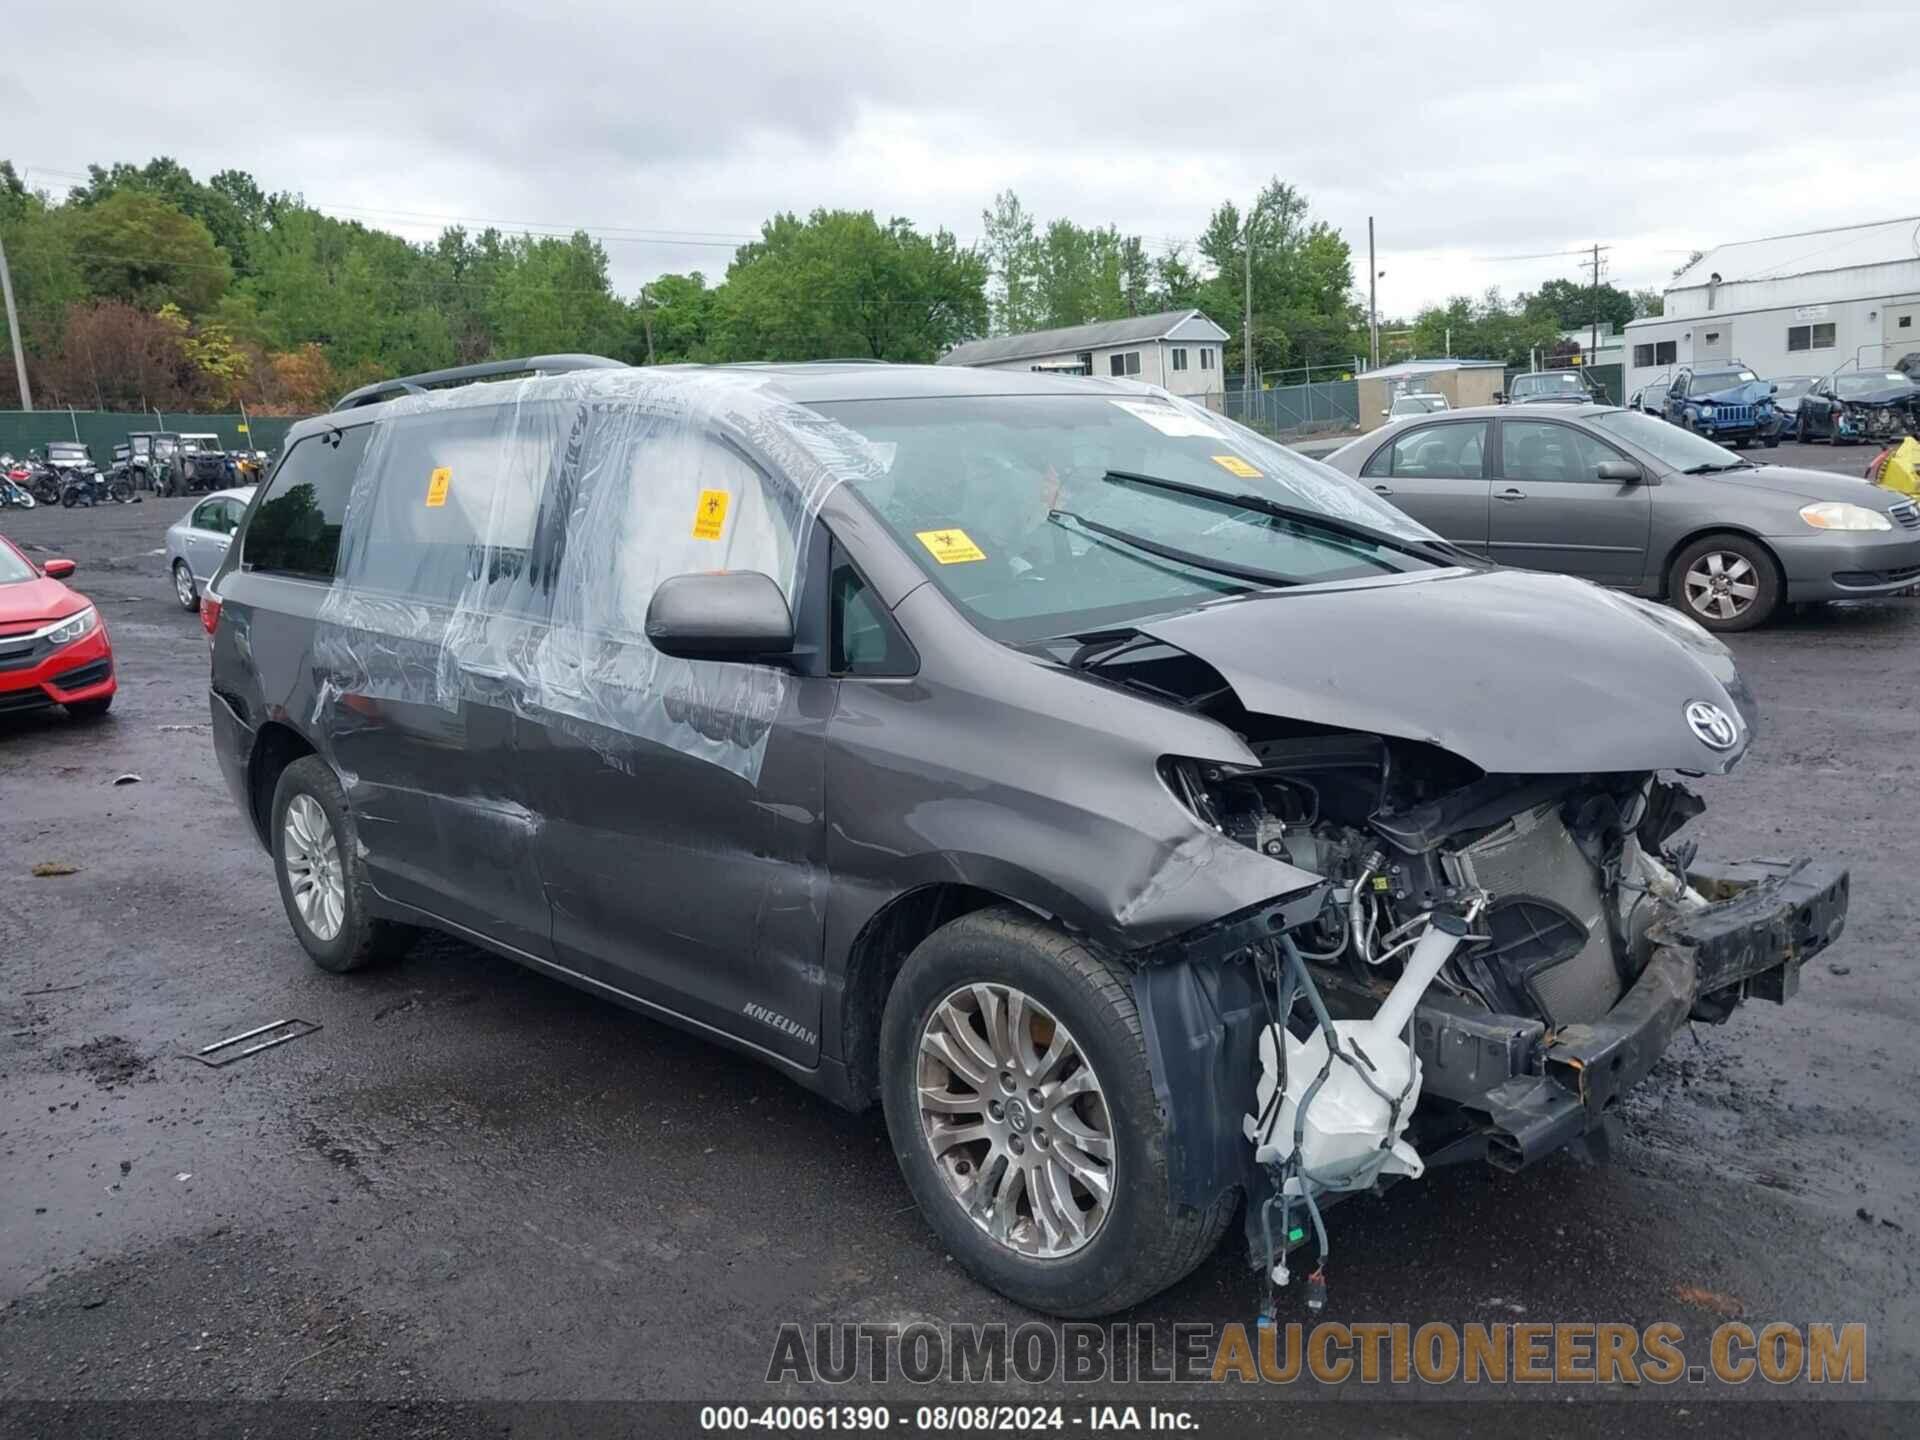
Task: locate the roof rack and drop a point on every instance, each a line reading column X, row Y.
column 466, row 374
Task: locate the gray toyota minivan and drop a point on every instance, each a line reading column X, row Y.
column 1153, row 821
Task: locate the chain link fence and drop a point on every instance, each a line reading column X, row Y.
column 1307, row 407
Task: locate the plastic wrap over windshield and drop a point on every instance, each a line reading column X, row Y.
column 502, row 544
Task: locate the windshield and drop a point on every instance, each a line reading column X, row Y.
column 1682, row 449
column 1872, row 384
column 13, row 566
column 1548, row 384
column 201, row 442
column 1419, row 404
column 1021, row 509
column 1793, row 387
column 66, row 450
column 1708, row 381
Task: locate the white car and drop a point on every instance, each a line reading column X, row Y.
column 1407, row 407
column 197, row 542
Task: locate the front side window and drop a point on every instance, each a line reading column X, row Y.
column 1022, row 511
column 1530, row 450
column 215, row 516
column 296, row 530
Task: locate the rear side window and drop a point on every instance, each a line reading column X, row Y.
column 456, row 498
column 1435, row 452
column 296, row 530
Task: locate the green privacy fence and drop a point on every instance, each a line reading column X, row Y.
column 22, row 430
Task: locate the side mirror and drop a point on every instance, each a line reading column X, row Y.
column 58, row 569
column 1386, row 412
column 1773, row 389
column 1623, row 472
column 720, row 615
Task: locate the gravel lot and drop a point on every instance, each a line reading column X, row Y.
column 475, row 1184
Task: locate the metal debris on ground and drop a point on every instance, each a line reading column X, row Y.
column 223, row 1052
column 127, row 779
column 47, row 869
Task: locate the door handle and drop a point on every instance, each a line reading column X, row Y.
column 1511, row 495
column 1383, row 489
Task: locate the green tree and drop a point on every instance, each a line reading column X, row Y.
column 682, row 311
column 1303, row 310
column 1575, row 305
column 1648, row 302
column 1012, row 253
column 1485, row 329
column 139, row 248
column 839, row 283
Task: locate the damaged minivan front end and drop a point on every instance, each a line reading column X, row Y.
column 1505, row 931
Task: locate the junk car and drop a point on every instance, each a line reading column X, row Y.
column 1144, row 816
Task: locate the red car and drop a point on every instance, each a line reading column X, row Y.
column 53, row 644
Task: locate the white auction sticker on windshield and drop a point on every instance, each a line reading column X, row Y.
column 1169, row 421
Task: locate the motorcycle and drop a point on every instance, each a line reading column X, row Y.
column 44, row 481
column 89, row 487
column 14, row 494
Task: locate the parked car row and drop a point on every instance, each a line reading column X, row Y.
column 1732, row 404
column 1656, row 509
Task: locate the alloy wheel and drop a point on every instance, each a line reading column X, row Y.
column 183, row 587
column 1016, row 1121
column 1722, row 585
column 314, row 875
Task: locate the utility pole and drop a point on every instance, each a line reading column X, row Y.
column 1373, row 302
column 646, row 319
column 13, row 330
column 1595, row 335
column 1246, row 378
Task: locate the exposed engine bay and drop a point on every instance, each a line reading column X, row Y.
column 1492, row 961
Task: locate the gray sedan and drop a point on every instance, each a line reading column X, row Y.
column 1626, row 500
column 197, row 541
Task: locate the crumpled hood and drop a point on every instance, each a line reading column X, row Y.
column 1519, row 673
column 1897, row 395
column 1750, row 392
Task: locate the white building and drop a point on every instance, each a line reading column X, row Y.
column 1177, row 349
column 1805, row 304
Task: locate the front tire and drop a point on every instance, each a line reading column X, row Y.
column 1727, row 583
column 323, row 879
column 183, row 589
column 1021, row 1107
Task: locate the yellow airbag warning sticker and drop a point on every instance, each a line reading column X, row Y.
column 710, row 515
column 1234, row 465
column 437, row 487
column 950, row 547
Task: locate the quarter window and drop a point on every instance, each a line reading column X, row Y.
column 1530, row 450
column 866, row 641
column 296, row 530
column 1810, row 337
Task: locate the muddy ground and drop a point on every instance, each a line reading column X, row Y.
column 474, row 1183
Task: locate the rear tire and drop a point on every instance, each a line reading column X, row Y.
column 1141, row 1241
column 323, row 879
column 1726, row 583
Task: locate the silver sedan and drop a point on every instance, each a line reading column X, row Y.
column 197, row 542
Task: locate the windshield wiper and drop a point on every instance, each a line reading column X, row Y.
column 1444, row 551
column 1249, row 573
column 1708, row 468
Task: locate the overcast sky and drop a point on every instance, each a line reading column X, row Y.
column 1474, row 133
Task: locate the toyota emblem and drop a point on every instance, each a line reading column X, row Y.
column 1712, row 724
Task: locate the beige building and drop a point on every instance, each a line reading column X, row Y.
column 1463, row 382
column 1179, row 350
